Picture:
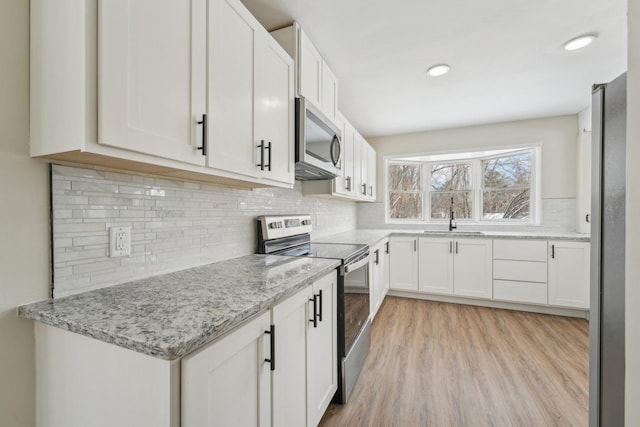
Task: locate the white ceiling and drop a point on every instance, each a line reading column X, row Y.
column 506, row 57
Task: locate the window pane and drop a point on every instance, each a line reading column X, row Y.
column 405, row 205
column 507, row 171
column 404, row 177
column 451, row 177
column 441, row 202
column 507, row 204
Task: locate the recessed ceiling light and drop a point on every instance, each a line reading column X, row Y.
column 579, row 42
column 438, row 70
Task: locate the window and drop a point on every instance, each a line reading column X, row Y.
column 496, row 186
column 405, row 191
column 451, row 183
column 506, row 192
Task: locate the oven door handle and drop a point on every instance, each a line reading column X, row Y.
column 346, row 269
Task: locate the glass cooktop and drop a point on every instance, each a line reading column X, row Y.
column 342, row 251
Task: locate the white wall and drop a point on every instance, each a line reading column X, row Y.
column 24, row 252
column 632, row 396
column 557, row 135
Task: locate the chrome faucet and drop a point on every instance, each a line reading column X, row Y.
column 452, row 224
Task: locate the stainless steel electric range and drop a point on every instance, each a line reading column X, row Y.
column 289, row 235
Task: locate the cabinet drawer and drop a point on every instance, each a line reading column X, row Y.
column 528, row 292
column 535, row 250
column 524, row 271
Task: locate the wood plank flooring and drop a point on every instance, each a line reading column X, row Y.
column 439, row 364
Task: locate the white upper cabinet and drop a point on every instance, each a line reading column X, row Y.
column 309, row 64
column 232, row 52
column 315, row 80
column 329, row 92
column 363, row 188
column 190, row 89
column 250, row 96
column 274, row 111
column 151, row 81
column 371, row 168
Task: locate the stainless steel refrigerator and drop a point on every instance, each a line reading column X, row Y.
column 606, row 328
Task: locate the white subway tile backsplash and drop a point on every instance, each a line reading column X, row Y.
column 174, row 224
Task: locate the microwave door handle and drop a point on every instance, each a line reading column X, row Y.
column 335, row 159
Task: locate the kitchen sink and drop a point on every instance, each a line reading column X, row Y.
column 462, row 233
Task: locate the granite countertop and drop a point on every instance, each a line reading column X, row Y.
column 170, row 315
column 372, row 236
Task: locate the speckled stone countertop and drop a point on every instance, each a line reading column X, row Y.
column 170, row 315
column 372, row 236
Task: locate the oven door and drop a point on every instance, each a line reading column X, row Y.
column 356, row 301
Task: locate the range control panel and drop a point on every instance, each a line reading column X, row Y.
column 277, row 226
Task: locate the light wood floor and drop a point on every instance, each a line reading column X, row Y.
column 439, row 364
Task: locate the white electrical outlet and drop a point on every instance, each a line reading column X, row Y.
column 119, row 241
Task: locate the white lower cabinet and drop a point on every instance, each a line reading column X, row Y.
column 242, row 380
column 229, row 382
column 403, row 263
column 322, row 351
column 436, row 266
column 569, row 275
column 379, row 275
column 472, row 268
column 455, row 267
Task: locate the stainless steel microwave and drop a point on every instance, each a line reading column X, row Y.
column 318, row 144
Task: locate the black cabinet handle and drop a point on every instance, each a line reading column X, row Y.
column 269, row 157
column 320, row 305
column 451, row 246
column 348, row 187
column 203, row 122
column 553, row 251
column 377, row 258
column 371, row 190
column 586, row 218
column 415, row 245
column 456, row 247
column 364, row 189
column 261, row 147
column 272, row 355
column 315, row 311
column 386, row 247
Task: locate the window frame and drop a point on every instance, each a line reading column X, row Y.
column 477, row 181
column 428, row 166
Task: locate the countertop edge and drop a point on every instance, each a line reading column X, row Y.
column 171, row 352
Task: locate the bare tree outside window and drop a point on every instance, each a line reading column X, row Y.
column 447, row 181
column 494, row 185
column 506, row 187
column 405, row 192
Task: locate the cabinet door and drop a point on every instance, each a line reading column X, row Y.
column 569, row 275
column 357, row 165
column 341, row 182
column 152, row 82
column 403, row 263
column 346, row 183
column 385, row 266
column 376, row 281
column 290, row 319
column 363, row 189
column 371, row 166
column 473, row 268
column 309, row 71
column 232, row 49
column 435, row 265
column 322, row 351
column 228, row 383
column 329, row 92
column 274, row 109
